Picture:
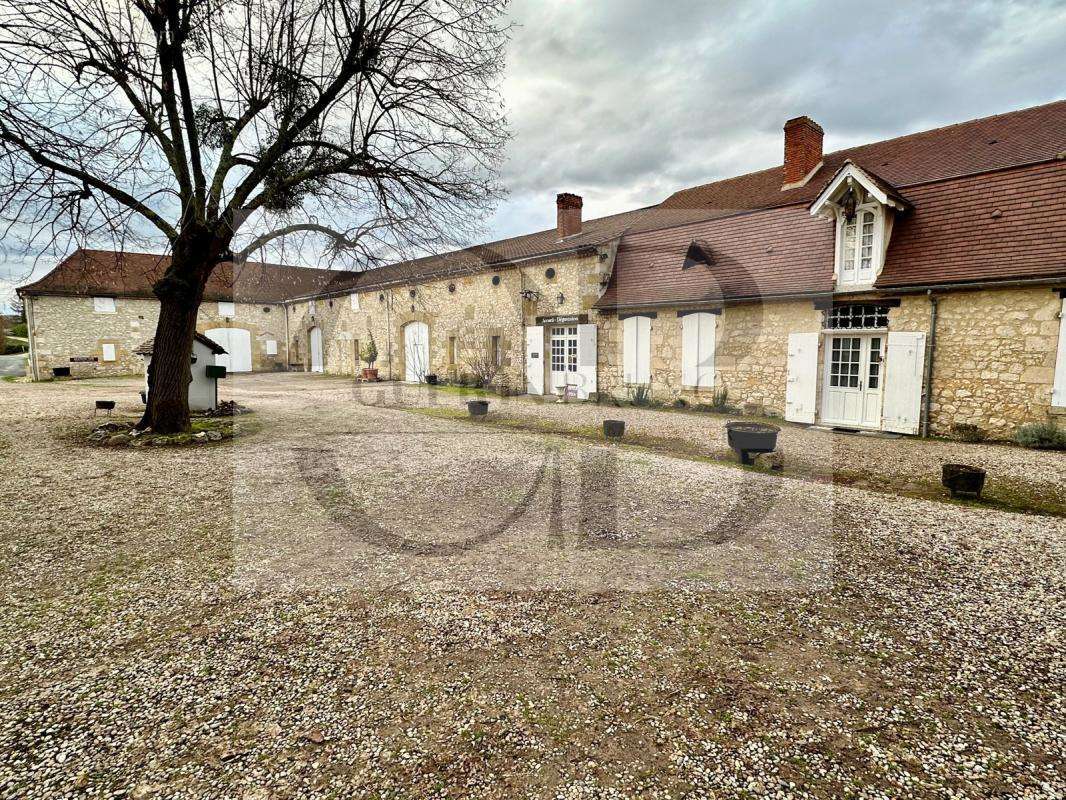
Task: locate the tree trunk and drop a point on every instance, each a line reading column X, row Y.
column 179, row 291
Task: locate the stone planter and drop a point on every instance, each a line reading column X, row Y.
column 477, row 408
column 370, row 374
column 431, row 379
column 747, row 439
column 614, row 428
column 963, row 480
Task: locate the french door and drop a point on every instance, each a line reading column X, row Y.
column 563, row 351
column 854, row 380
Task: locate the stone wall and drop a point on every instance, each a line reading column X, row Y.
column 66, row 328
column 469, row 309
column 993, row 367
column 751, row 353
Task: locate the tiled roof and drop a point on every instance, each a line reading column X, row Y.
column 992, row 227
column 105, row 272
column 148, row 347
column 1005, row 140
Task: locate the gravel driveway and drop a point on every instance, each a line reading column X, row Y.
column 359, row 601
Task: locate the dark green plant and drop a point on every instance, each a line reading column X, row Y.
column 370, row 351
column 681, row 402
column 642, row 395
column 1041, row 436
column 720, row 399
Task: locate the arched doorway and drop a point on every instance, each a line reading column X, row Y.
column 316, row 349
column 415, row 351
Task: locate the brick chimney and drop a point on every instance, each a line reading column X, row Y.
column 803, row 149
column 568, row 213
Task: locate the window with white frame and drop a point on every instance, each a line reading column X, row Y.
column 108, row 352
column 636, row 350
column 104, row 305
column 355, row 301
column 226, row 309
column 859, row 250
column 311, row 307
column 271, row 347
column 853, row 316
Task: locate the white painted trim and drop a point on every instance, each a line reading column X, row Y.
column 823, row 205
column 1058, row 392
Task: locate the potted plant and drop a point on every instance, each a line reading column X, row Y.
column 748, row 438
column 477, row 408
column 370, row 356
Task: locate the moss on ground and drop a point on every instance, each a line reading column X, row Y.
column 1014, row 496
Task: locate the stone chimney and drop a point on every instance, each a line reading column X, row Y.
column 568, row 213
column 803, row 150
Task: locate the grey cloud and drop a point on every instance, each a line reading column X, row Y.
column 616, row 98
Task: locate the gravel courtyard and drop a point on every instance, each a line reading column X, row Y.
column 361, row 601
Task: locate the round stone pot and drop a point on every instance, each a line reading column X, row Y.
column 614, row 428
column 431, row 379
column 370, row 374
column 747, row 439
column 963, row 480
column 477, row 408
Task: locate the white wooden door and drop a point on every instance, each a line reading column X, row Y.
column 317, row 362
column 416, row 351
column 563, row 368
column 586, row 360
column 854, row 380
column 801, row 386
column 535, row 359
column 904, row 374
column 237, row 342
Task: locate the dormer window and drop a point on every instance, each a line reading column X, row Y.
column 863, row 207
column 859, row 256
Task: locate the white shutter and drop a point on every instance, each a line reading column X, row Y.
column 586, row 360
column 535, row 359
column 104, row 305
column 271, row 347
column 109, row 352
column 1058, row 394
column 801, row 387
column 227, row 309
column 636, row 350
column 690, row 349
column 705, row 365
column 904, row 367
column 354, row 297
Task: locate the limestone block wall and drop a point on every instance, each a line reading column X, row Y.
column 994, row 364
column 68, row 332
column 751, row 353
column 462, row 315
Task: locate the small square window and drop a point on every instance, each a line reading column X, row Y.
column 108, row 352
column 104, row 305
column 226, row 309
column 311, row 307
column 271, row 347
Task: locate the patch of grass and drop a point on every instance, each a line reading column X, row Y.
column 1000, row 495
column 454, row 388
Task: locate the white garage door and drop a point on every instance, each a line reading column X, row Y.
column 237, row 342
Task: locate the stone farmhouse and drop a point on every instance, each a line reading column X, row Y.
column 908, row 285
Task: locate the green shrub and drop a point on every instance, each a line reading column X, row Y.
column 642, row 395
column 370, row 351
column 681, row 402
column 1041, row 436
column 19, row 329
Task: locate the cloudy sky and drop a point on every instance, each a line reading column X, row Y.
column 625, row 101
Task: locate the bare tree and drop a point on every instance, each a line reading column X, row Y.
column 226, row 126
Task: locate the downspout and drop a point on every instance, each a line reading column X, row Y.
column 388, row 328
column 28, row 304
column 288, row 352
column 930, row 351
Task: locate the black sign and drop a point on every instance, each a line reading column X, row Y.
column 571, row 319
